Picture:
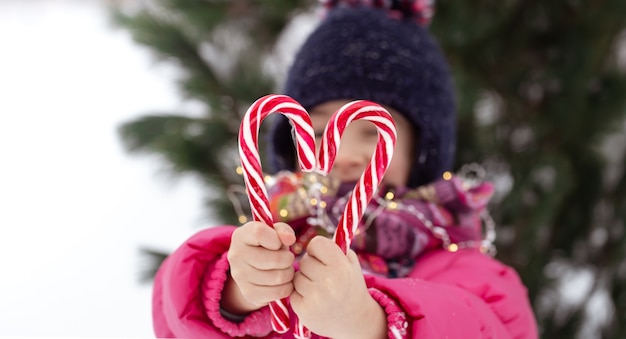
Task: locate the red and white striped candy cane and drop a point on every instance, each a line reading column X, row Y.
column 374, row 172
column 253, row 174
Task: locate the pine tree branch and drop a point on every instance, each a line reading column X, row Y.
column 170, row 43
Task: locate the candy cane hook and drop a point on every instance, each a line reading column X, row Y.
column 374, row 172
column 253, row 174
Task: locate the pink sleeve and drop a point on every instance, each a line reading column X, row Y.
column 179, row 303
column 461, row 295
column 396, row 318
column 256, row 324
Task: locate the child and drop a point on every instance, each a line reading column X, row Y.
column 416, row 268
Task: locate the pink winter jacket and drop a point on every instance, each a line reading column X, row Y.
column 447, row 295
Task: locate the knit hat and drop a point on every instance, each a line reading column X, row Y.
column 359, row 52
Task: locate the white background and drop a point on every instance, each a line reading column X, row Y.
column 74, row 206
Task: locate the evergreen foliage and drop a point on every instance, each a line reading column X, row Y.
column 540, row 90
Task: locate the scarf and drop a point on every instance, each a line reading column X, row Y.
column 398, row 225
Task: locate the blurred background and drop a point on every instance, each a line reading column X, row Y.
column 121, row 142
column 74, row 207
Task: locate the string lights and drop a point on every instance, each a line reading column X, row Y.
column 311, row 188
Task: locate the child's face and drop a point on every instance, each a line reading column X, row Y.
column 358, row 144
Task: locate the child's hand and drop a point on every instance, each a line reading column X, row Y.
column 261, row 266
column 330, row 296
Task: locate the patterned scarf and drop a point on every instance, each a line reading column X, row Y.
column 398, row 225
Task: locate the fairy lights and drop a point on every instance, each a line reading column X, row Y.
column 312, row 188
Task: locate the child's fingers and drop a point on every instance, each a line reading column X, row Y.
column 256, row 233
column 263, row 259
column 275, row 277
column 262, row 295
column 323, row 249
column 354, row 259
column 285, row 233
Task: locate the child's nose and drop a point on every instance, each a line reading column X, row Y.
column 349, row 162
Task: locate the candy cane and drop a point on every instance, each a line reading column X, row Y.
column 253, row 174
column 374, row 172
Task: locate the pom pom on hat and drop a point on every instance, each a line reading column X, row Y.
column 419, row 10
column 359, row 52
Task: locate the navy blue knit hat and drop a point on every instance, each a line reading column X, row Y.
column 363, row 53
